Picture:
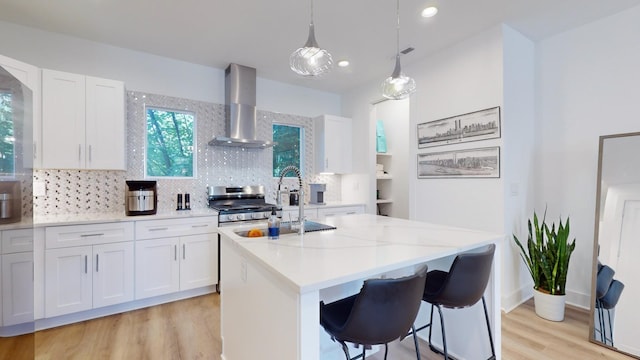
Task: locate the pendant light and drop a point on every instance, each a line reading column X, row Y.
column 310, row 60
column 398, row 86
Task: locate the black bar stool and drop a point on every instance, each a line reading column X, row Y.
column 462, row 286
column 383, row 311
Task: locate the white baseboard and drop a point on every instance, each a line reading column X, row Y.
column 47, row 323
column 516, row 298
column 519, row 296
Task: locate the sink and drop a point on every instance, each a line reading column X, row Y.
column 285, row 228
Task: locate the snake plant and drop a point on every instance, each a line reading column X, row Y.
column 547, row 255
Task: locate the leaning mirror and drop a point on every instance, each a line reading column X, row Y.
column 615, row 283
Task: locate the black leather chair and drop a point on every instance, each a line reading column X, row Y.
column 462, row 286
column 383, row 311
column 607, row 302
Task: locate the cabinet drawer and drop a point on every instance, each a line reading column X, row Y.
column 15, row 241
column 153, row 229
column 337, row 211
column 78, row 235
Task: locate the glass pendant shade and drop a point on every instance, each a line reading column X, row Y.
column 310, row 60
column 398, row 86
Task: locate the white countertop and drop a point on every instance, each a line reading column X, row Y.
column 79, row 219
column 362, row 246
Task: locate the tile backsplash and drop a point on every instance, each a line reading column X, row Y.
column 92, row 191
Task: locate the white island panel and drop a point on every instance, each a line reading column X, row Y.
column 271, row 288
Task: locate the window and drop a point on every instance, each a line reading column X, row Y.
column 289, row 149
column 170, row 143
column 7, row 139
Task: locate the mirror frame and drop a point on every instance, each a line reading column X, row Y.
column 596, row 234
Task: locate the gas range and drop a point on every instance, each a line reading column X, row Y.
column 240, row 204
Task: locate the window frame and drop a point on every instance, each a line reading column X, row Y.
column 194, row 144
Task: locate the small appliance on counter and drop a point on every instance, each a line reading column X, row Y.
column 317, row 193
column 141, row 197
column 10, row 202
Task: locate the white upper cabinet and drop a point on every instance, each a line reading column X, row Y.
column 83, row 122
column 30, row 76
column 332, row 142
column 105, row 125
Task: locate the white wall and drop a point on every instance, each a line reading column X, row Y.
column 153, row 74
column 518, row 114
column 587, row 86
column 458, row 80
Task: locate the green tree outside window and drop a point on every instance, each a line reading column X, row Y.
column 289, row 148
column 7, row 140
column 170, row 143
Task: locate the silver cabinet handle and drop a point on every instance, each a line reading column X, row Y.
column 97, row 262
column 35, row 151
column 89, row 153
column 184, row 249
column 326, row 163
column 79, row 152
column 159, row 229
column 199, row 226
column 92, row 235
column 175, row 252
column 85, row 264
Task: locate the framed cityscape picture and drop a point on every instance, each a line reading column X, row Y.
column 478, row 125
column 465, row 163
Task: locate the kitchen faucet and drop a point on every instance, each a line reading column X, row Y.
column 300, row 196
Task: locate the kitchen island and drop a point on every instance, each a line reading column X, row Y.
column 271, row 289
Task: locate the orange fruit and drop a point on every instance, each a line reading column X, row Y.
column 254, row 233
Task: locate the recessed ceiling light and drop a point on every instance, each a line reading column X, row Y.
column 429, row 11
column 343, row 63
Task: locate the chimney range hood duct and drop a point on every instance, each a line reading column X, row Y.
column 240, row 110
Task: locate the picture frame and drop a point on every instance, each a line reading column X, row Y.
column 478, row 125
column 463, row 163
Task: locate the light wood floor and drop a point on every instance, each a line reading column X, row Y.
column 189, row 329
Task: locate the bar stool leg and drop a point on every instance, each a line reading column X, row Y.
column 486, row 317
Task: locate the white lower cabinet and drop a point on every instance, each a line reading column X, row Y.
column 173, row 264
column 157, row 268
column 17, row 288
column 85, row 277
column 16, row 269
column 68, row 286
column 113, row 274
column 87, row 267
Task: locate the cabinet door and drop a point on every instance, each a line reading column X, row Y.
column 63, row 120
column 198, row 261
column 157, row 267
column 17, row 288
column 112, row 273
column 105, row 124
column 333, row 144
column 30, row 76
column 68, row 283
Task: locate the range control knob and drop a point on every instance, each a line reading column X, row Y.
column 232, row 217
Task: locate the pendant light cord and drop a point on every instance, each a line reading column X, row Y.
column 312, row 12
column 397, row 28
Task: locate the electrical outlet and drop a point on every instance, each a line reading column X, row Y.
column 39, row 188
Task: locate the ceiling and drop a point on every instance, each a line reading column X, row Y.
column 262, row 34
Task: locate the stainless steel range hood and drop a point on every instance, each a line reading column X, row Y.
column 240, row 110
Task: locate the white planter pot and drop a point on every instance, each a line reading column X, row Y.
column 550, row 307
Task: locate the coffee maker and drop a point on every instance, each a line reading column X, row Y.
column 141, row 197
column 317, row 193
